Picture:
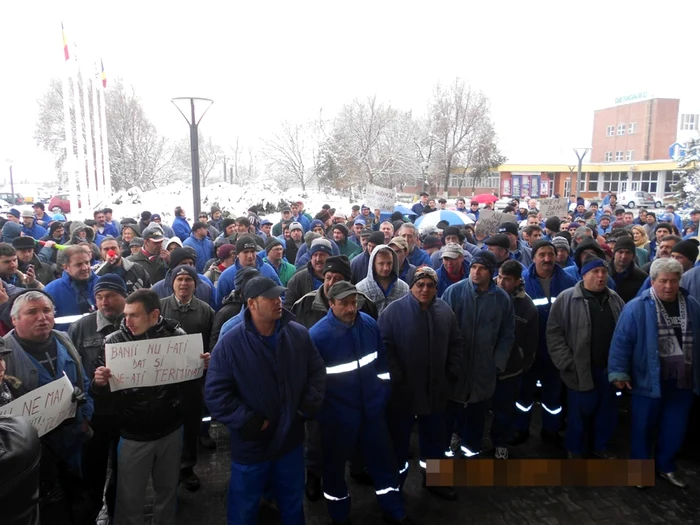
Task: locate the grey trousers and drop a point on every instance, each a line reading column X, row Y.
column 139, row 460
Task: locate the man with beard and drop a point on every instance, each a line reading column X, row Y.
column 382, row 284
column 133, row 274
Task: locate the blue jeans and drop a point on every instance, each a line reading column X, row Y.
column 668, row 414
column 592, row 413
column 248, row 482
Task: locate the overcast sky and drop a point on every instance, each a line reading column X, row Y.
column 545, row 65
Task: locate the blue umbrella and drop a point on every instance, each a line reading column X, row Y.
column 404, row 210
column 453, row 218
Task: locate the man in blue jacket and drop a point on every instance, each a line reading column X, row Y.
column 487, row 322
column 180, row 225
column 424, row 351
column 655, row 354
column 416, row 256
column 201, row 244
column 246, row 256
column 357, row 391
column 544, row 281
column 29, row 226
column 73, row 292
column 265, row 411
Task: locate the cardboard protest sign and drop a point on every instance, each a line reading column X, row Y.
column 554, row 208
column 378, row 197
column 46, row 407
column 153, row 362
column 490, row 220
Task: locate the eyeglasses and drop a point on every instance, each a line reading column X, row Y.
column 429, row 286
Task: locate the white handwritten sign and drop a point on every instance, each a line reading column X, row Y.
column 46, row 407
column 490, row 220
column 153, row 362
column 553, row 208
column 378, row 197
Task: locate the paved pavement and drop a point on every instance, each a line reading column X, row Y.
column 504, row 505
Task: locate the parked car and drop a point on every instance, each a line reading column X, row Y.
column 632, row 199
column 60, row 203
column 12, row 198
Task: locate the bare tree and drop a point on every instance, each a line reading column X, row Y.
column 291, row 154
column 210, row 155
column 458, row 115
column 139, row 155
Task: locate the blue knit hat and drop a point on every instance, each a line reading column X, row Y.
column 111, row 282
column 10, row 231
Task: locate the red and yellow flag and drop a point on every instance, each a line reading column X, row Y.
column 65, row 43
column 103, row 75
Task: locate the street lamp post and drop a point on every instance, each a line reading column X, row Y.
column 580, row 154
column 193, row 109
column 12, row 180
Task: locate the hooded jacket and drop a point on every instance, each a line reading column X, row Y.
column 204, row 291
column 370, row 287
column 147, row 413
column 359, row 266
column 522, row 355
column 487, row 324
column 76, row 227
column 204, row 249
column 424, row 352
column 226, row 282
column 288, row 385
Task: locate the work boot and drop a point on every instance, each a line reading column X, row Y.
column 674, row 479
column 189, row 479
column 519, row 438
column 313, row 486
column 604, row 454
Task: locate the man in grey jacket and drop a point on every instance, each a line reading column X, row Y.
column 579, row 332
column 382, row 284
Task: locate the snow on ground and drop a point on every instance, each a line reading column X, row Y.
column 234, row 199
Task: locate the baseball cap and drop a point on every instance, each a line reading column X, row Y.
column 262, row 287
column 153, row 234
column 508, row 227
column 452, row 251
column 399, row 242
column 341, row 290
column 500, row 239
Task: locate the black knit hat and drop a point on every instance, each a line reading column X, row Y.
column 487, row 259
column 180, row 254
column 342, row 228
column 376, row 238
column 689, row 248
column 271, row 243
column 624, row 242
column 452, row 230
column 338, row 264
column 553, row 224
column 184, row 270
column 55, row 225
column 225, row 223
column 540, row 244
column 246, row 242
column 587, row 244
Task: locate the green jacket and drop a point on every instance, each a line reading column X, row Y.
column 285, row 272
column 349, row 248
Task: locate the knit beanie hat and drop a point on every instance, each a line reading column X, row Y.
column 310, row 237
column 246, row 242
column 561, row 243
column 111, row 282
column 180, row 254
column 541, row 243
column 316, row 224
column 225, row 223
column 11, row 230
column 689, row 248
column 226, row 251
column 342, row 228
column 271, row 243
column 591, row 263
column 184, row 270
column 376, row 238
column 486, row 259
column 553, row 224
column 624, row 242
column 338, row 264
column 321, row 245
column 244, row 275
column 55, row 225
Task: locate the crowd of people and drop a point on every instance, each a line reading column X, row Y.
column 327, row 338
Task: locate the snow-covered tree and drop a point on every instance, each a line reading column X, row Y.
column 292, row 154
column 688, row 187
column 461, row 123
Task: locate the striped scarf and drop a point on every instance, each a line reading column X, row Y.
column 676, row 359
